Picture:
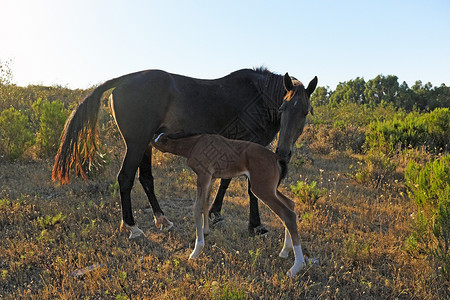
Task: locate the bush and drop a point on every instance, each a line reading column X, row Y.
column 52, row 116
column 16, row 137
column 307, row 193
column 429, row 188
column 431, row 130
column 324, row 139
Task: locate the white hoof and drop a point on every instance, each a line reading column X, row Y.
column 284, row 253
column 295, row 269
column 197, row 250
column 135, row 232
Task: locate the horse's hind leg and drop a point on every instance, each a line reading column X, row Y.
column 126, row 179
column 146, row 180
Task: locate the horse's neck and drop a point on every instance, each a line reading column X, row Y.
column 273, row 91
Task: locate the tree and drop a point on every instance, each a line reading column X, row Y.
column 422, row 94
column 321, row 96
column 381, row 89
column 351, row 91
column 5, row 72
column 405, row 97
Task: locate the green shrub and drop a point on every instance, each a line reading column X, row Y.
column 52, row 116
column 15, row 136
column 430, row 129
column 307, row 193
column 428, row 186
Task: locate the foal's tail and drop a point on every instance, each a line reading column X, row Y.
column 283, row 169
column 79, row 137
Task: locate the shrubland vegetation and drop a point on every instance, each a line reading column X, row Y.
column 370, row 178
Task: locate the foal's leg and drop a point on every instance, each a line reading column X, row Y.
column 200, row 212
column 126, row 179
column 289, row 218
column 146, row 180
column 287, row 247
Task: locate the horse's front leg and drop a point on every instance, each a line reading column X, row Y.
column 216, row 207
column 255, row 228
column 200, row 213
column 146, row 180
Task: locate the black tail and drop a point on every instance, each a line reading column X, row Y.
column 79, row 134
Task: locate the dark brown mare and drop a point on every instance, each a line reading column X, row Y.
column 233, row 158
column 250, row 105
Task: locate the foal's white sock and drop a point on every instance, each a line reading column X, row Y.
column 199, row 244
column 299, row 261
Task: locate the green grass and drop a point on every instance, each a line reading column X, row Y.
column 356, row 232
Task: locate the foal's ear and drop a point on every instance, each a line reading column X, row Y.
column 312, row 86
column 287, row 82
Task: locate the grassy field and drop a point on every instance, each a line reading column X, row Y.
column 356, row 232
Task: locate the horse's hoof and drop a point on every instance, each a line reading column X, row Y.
column 259, row 231
column 216, row 218
column 162, row 222
column 135, row 232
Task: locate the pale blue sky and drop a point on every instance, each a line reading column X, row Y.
column 85, row 42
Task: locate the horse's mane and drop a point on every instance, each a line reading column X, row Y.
column 261, row 70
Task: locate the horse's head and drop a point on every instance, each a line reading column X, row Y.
column 295, row 108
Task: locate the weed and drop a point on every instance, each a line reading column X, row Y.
column 376, row 168
column 48, row 222
column 254, row 255
column 227, row 292
column 4, row 203
column 356, row 249
column 307, row 193
column 114, row 189
column 45, row 237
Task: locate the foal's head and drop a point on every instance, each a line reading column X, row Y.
column 294, row 110
column 162, row 143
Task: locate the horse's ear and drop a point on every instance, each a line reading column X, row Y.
column 312, row 86
column 287, row 82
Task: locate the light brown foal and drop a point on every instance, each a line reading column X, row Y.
column 213, row 156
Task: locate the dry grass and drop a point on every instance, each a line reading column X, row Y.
column 356, row 232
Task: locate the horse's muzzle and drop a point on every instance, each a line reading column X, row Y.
column 283, row 154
